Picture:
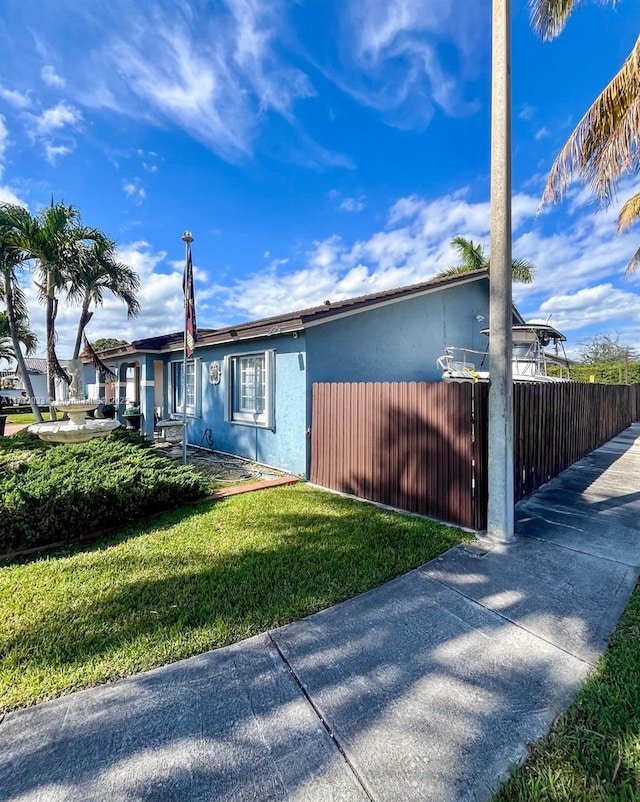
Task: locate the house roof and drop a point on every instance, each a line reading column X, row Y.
column 36, row 366
column 295, row 321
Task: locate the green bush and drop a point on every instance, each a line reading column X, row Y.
column 616, row 372
column 67, row 491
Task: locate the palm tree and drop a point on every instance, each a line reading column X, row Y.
column 14, row 220
column 57, row 241
column 472, row 257
column 604, row 146
column 100, row 272
column 26, row 337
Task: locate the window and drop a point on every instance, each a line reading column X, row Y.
column 177, row 387
column 250, row 385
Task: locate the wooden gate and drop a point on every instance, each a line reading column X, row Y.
column 411, row 445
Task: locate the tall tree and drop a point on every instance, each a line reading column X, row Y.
column 102, row 343
column 604, row 146
column 57, row 240
column 99, row 271
column 13, row 221
column 473, row 257
column 605, row 348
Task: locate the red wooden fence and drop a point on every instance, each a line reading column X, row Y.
column 422, row 447
column 555, row 425
column 408, row 445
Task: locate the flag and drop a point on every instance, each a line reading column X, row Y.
column 191, row 331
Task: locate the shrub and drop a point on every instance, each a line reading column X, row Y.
column 68, row 491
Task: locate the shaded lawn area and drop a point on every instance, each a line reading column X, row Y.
column 194, row 580
column 593, row 751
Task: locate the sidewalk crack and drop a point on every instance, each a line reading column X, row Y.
column 334, row 739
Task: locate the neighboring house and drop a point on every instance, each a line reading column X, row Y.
column 37, row 370
column 249, row 386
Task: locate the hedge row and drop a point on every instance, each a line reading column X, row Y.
column 68, row 491
column 602, row 372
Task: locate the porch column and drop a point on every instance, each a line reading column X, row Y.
column 147, row 385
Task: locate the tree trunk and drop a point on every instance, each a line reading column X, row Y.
column 13, row 331
column 54, row 368
column 85, row 317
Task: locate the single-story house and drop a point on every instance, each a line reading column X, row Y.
column 249, row 386
column 37, row 370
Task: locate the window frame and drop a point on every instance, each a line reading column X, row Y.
column 193, row 365
column 264, row 419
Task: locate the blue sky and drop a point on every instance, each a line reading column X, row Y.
column 315, row 148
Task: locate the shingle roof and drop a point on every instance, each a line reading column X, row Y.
column 294, row 321
column 38, row 366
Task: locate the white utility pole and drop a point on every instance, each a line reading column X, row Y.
column 500, row 510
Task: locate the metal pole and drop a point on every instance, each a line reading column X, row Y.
column 500, row 469
column 187, row 239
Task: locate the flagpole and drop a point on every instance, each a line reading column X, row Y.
column 187, row 239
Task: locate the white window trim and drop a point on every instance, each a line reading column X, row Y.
column 192, row 411
column 264, row 420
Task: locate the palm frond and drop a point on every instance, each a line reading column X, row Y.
column 633, row 264
column 6, row 350
column 19, row 300
column 522, row 270
column 629, row 213
column 548, row 17
column 26, row 336
column 455, row 270
column 472, row 256
column 604, row 144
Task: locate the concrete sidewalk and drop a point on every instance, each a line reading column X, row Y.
column 426, row 688
column 13, row 428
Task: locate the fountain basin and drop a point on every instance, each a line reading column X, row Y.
column 77, row 409
column 79, row 428
column 66, row 431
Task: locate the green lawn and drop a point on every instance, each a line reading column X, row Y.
column 193, row 580
column 593, row 752
column 23, row 417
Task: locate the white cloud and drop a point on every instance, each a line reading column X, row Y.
column 542, row 133
column 215, row 75
column 352, row 204
column 526, row 112
column 54, row 152
column 133, row 189
column 393, row 50
column 51, row 77
column 7, row 195
column 19, row 100
column 61, row 116
column 52, row 125
column 601, row 307
column 580, row 258
column 4, row 136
